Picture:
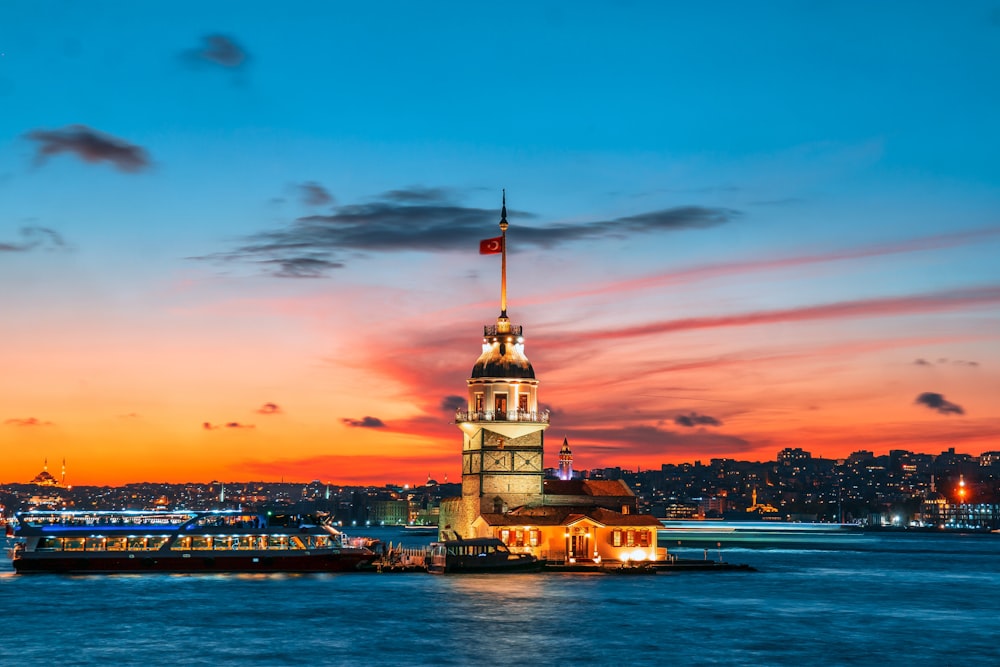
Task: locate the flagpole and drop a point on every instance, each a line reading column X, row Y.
column 503, row 256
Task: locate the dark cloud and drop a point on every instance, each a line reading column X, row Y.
column 694, row 419
column 234, row 425
column 417, row 194
column 432, row 220
column 302, row 267
column 28, row 421
column 33, row 238
column 650, row 439
column 90, row 146
column 938, row 403
column 942, row 361
column 452, row 403
column 364, row 422
column 218, row 50
column 314, row 194
column 269, row 409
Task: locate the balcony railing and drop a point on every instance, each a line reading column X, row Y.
column 538, row 417
column 494, row 330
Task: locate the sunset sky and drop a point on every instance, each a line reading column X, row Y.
column 239, row 240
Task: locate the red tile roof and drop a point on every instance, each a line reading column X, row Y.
column 588, row 487
column 564, row 516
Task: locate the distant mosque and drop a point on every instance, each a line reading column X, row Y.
column 504, row 490
column 45, row 478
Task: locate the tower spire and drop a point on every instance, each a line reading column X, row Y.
column 503, row 255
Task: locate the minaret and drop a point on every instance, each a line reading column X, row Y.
column 62, row 481
column 565, row 461
column 502, row 427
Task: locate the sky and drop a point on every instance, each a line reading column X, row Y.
column 239, row 240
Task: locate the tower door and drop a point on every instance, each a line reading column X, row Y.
column 500, row 406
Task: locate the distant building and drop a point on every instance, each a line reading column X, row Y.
column 789, row 456
column 565, row 461
column 389, row 512
column 45, row 478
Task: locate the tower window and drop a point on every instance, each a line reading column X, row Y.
column 500, row 405
column 522, row 402
column 479, row 403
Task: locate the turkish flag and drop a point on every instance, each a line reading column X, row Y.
column 491, row 246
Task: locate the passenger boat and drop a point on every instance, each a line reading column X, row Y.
column 478, row 555
column 181, row 541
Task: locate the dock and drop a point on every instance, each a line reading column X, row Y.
column 399, row 560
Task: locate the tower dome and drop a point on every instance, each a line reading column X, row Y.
column 503, row 355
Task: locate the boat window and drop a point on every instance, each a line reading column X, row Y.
column 295, row 542
column 73, row 543
column 115, row 544
column 277, row 542
column 201, row 542
column 244, row 542
column 136, row 543
column 224, row 543
column 155, row 543
column 49, row 544
column 319, row 542
column 94, row 544
column 182, row 544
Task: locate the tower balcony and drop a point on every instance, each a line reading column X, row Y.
column 529, row 416
column 501, row 330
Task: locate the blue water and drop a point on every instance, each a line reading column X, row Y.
column 885, row 600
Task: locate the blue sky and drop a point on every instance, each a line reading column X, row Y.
column 227, row 179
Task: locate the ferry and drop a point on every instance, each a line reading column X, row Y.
column 82, row 542
column 478, row 555
column 712, row 533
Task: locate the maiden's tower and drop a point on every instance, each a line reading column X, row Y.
column 504, row 490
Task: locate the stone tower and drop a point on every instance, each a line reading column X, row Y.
column 502, row 427
column 565, row 461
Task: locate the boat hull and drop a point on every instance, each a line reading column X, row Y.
column 223, row 562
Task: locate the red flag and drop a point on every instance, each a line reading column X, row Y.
column 491, row 246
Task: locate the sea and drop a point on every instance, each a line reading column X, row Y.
column 885, row 599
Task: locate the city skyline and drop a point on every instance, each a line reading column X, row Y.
column 245, row 245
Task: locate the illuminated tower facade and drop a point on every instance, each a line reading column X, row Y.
column 502, row 427
column 565, row 461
